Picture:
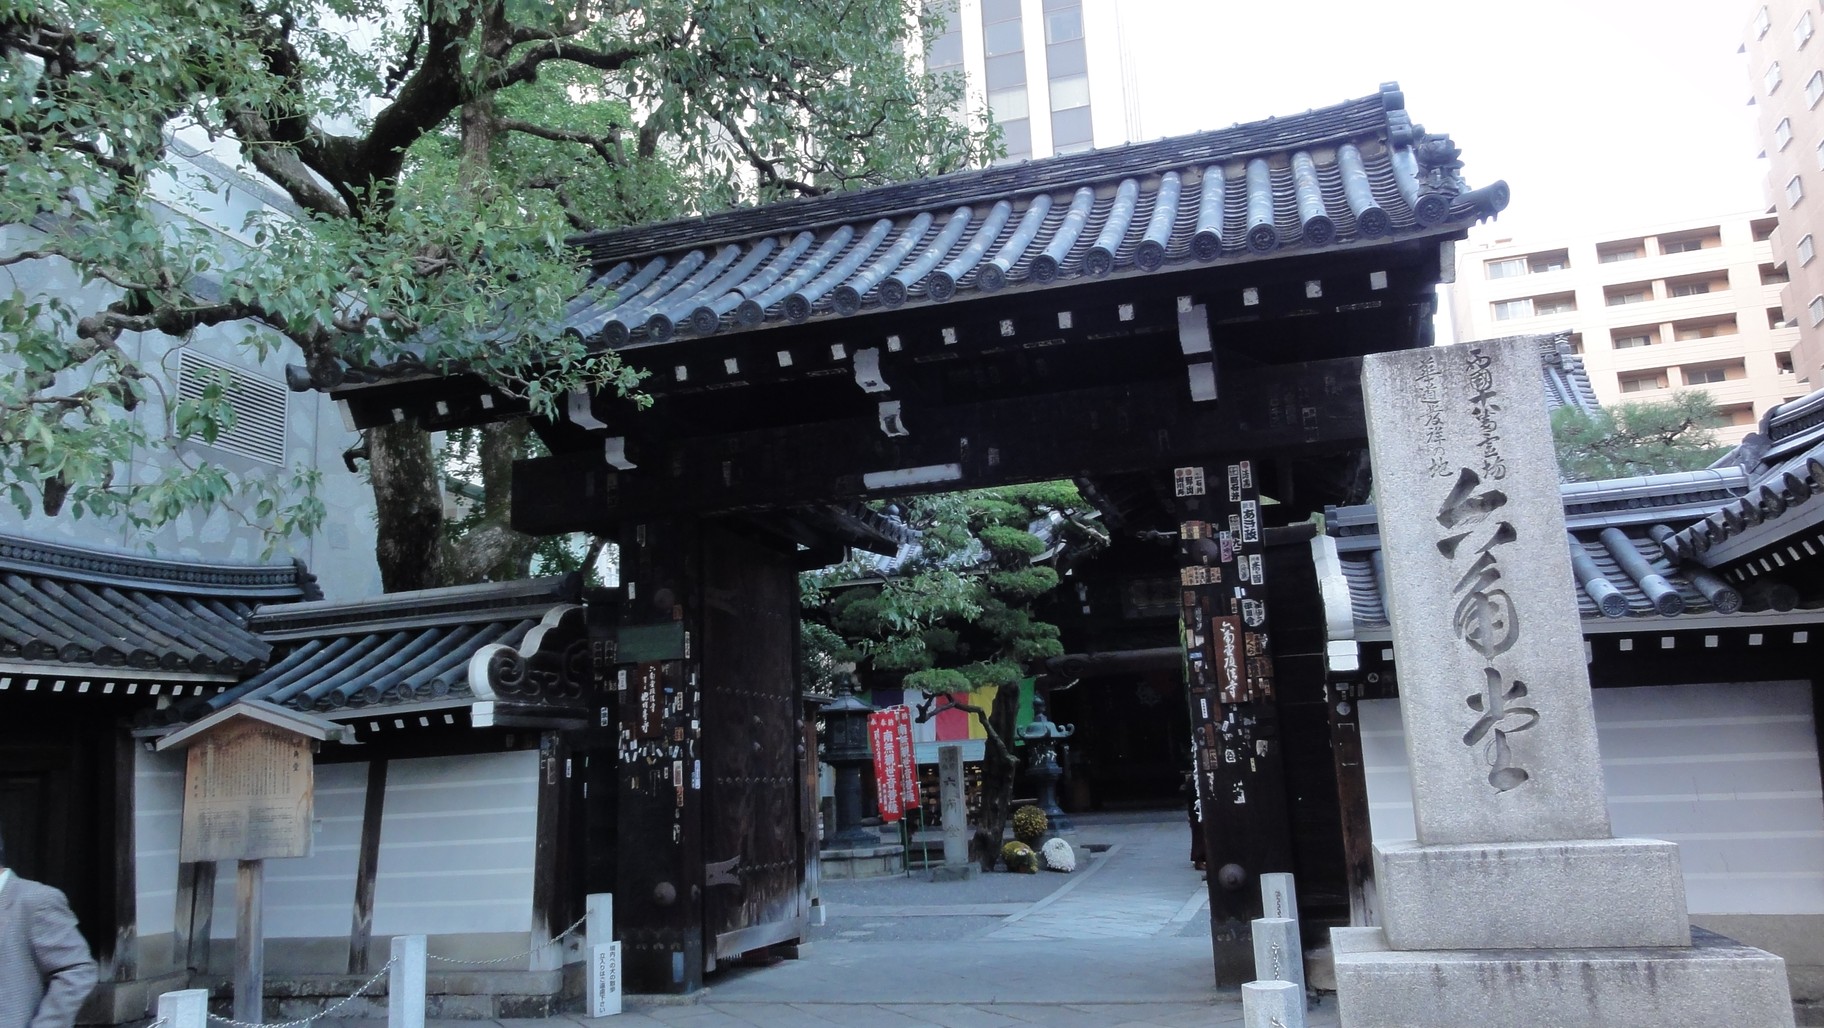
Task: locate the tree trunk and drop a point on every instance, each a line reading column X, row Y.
column 408, row 507
column 490, row 550
column 998, row 773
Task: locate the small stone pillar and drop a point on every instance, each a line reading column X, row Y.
column 954, row 811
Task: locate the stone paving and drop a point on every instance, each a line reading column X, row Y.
column 1122, row 941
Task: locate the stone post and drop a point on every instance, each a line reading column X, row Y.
column 954, row 812
column 405, row 983
column 1278, row 956
column 1514, row 850
column 1272, row 1005
column 188, row 1008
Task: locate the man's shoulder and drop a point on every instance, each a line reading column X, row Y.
column 35, row 893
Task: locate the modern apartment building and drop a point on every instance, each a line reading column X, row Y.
column 1052, row 73
column 1690, row 304
column 1786, row 69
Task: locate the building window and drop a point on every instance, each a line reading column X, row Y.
column 1782, row 134
column 1782, row 363
column 1512, row 267
column 1540, row 263
column 1706, row 328
column 1064, row 24
column 1007, row 104
column 1560, row 303
column 1633, row 340
column 1689, row 288
column 1680, row 245
column 1001, row 31
column 1773, row 275
column 1069, row 91
column 1795, row 191
column 1619, row 253
column 258, row 405
column 1761, row 23
column 1627, row 295
column 1004, row 37
column 1712, row 374
column 1507, row 310
column 1817, row 309
column 1643, row 382
column 1814, row 88
column 1773, row 77
column 1071, row 127
column 1807, row 250
column 1801, row 33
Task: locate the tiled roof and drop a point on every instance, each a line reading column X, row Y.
column 96, row 614
column 414, row 646
column 1783, row 464
column 1617, row 548
column 1326, row 179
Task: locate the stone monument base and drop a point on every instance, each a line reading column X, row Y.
column 1520, row 895
column 1715, row 981
column 863, row 861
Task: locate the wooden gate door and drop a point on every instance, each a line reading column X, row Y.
column 753, row 888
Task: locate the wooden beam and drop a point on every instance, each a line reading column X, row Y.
column 194, row 916
column 123, row 963
column 249, row 942
column 1344, row 702
column 551, row 910
column 367, row 866
column 1270, row 409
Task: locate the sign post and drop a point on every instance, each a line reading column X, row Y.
column 248, row 792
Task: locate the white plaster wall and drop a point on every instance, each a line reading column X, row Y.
column 309, row 897
column 158, row 814
column 1729, row 772
column 457, row 845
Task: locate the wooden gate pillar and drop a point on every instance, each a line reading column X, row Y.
column 658, row 897
column 1234, row 725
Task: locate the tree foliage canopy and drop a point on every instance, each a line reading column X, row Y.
column 1645, row 438
column 959, row 613
column 436, row 154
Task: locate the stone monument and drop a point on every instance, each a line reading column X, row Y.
column 1515, row 905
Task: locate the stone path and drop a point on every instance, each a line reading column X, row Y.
column 1140, row 888
column 1121, row 943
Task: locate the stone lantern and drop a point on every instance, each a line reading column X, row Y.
column 1042, row 738
column 845, row 748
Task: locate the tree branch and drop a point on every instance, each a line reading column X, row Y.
column 605, row 148
column 768, row 168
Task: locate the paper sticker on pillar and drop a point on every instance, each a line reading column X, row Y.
column 1234, row 483
column 1187, row 481
column 1227, row 640
column 1250, row 521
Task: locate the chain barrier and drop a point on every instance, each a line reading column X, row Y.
column 305, row 1021
column 554, row 940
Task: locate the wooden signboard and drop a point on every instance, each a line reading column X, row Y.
column 247, row 794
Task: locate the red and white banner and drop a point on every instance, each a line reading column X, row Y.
column 895, row 781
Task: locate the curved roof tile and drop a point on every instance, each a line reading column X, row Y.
column 1324, row 178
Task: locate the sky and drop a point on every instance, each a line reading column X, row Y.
column 1599, row 114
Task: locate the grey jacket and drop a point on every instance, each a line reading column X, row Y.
column 45, row 967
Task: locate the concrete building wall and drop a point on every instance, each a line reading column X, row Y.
column 294, row 431
column 1053, row 73
column 1692, row 304
column 1784, row 61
